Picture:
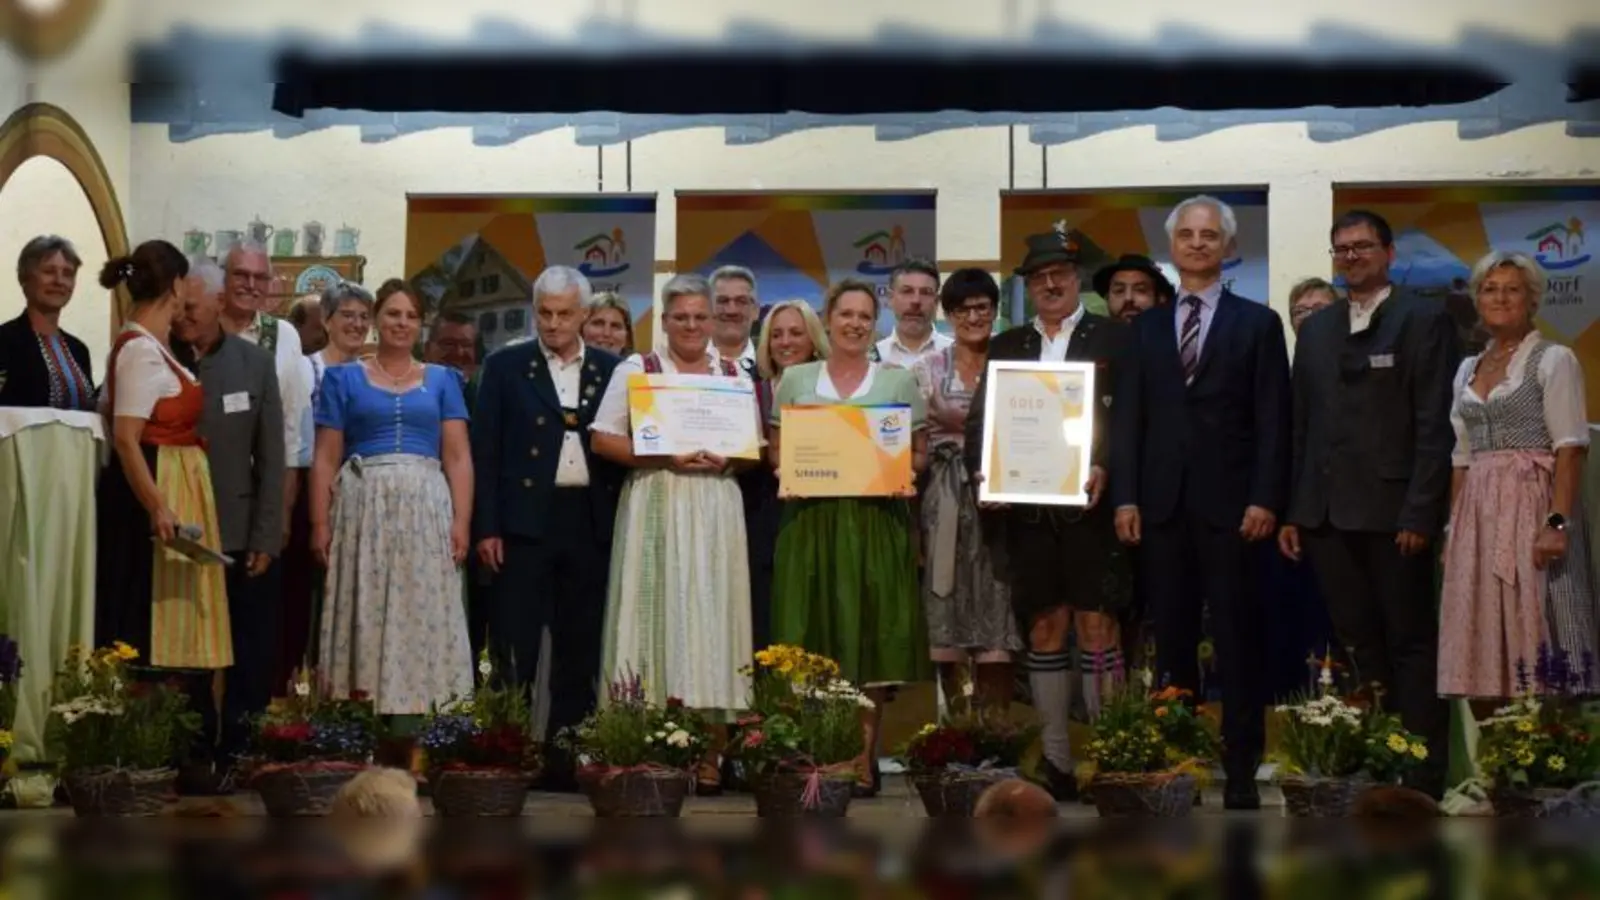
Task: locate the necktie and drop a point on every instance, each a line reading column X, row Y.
column 1189, row 341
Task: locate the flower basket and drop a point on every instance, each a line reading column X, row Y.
column 293, row 791
column 1308, row 797
column 479, row 792
column 641, row 791
column 955, row 792
column 108, row 791
column 822, row 793
column 1522, row 803
column 1166, row 795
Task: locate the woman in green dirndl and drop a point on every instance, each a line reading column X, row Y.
column 845, row 573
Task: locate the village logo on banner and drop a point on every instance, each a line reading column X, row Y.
column 604, row 255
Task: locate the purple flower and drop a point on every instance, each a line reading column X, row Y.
column 10, row 660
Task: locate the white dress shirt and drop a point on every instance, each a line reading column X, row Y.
column 572, row 470
column 295, row 381
column 892, row 352
column 1361, row 314
column 1055, row 349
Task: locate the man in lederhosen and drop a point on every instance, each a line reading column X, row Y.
column 545, row 505
column 1063, row 564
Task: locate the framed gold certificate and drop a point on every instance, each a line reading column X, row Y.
column 839, row 450
column 1037, row 430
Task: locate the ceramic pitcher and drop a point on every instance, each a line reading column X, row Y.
column 345, row 240
column 313, row 232
column 196, row 242
column 260, row 231
column 283, row 242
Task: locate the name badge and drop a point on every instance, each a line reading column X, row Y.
column 1382, row 361
column 236, row 403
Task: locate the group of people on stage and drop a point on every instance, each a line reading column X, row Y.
column 1377, row 451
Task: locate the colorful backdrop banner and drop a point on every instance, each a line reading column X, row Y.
column 1113, row 222
column 480, row 254
column 1440, row 233
column 799, row 243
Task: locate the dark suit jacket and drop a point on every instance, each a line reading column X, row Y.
column 1095, row 339
column 24, row 378
column 1218, row 445
column 517, row 432
column 244, row 448
column 1372, row 435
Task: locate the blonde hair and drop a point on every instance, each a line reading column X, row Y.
column 846, row 286
column 765, row 364
column 612, row 300
column 377, row 793
column 1533, row 276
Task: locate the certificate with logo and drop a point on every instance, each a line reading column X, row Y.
column 838, row 450
column 1037, row 429
column 675, row 414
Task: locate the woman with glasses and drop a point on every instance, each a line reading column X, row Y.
column 968, row 608
column 678, row 601
column 347, row 314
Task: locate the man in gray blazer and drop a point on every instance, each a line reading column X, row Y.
column 1370, row 480
column 244, row 431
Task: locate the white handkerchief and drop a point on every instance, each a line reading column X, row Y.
column 236, row 403
column 1383, row 361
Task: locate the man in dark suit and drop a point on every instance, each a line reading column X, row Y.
column 1371, row 473
column 545, row 505
column 1200, row 456
column 1061, row 563
column 243, row 427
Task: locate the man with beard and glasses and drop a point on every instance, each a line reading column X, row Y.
column 913, row 298
column 735, row 307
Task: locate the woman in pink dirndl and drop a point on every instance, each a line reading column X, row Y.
column 1518, row 611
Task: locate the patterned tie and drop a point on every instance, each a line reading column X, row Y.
column 1189, row 343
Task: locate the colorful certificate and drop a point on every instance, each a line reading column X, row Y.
column 1037, row 430
column 676, row 414
column 845, row 451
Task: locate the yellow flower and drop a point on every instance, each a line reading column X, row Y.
column 1397, row 743
column 1525, row 758
column 1419, row 751
column 1555, row 763
column 1525, row 726
column 764, row 657
column 5, row 739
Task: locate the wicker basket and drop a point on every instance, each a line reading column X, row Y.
column 106, row 791
column 1515, row 803
column 631, row 793
column 294, row 791
column 479, row 792
column 947, row 792
column 782, row 795
column 1165, row 795
column 1306, row 797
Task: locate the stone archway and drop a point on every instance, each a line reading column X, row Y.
column 40, row 129
column 40, row 36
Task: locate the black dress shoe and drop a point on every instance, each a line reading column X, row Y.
column 1061, row 785
column 1241, row 794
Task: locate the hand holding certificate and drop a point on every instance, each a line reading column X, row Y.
column 845, row 451
column 1037, row 430
column 676, row 415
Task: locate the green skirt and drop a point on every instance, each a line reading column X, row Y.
column 844, row 585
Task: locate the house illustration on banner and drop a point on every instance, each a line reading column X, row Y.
column 881, row 250
column 603, row 254
column 1558, row 245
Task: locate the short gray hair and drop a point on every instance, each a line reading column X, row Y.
column 335, row 296
column 559, row 280
column 1532, row 273
column 1230, row 222
column 247, row 246
column 41, row 248
column 204, row 270
column 726, row 273
column 688, row 284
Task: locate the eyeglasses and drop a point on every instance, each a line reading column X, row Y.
column 985, row 311
column 1360, row 248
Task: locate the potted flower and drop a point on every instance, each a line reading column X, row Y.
column 1147, row 753
column 1534, row 750
column 636, row 758
column 802, row 738
column 10, row 674
column 952, row 763
column 116, row 737
column 307, row 745
column 479, row 750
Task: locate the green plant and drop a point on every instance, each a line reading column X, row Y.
column 1143, row 733
column 102, row 716
column 1323, row 737
column 1391, row 750
column 490, row 728
column 802, row 716
column 972, row 735
column 311, row 727
column 628, row 731
column 1539, row 742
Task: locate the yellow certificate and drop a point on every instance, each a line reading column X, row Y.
column 676, row 414
column 1038, row 426
column 845, row 451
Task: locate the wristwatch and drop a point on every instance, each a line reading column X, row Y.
column 1556, row 521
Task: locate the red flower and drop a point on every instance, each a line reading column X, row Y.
column 293, row 732
column 747, row 721
column 360, row 696
column 754, row 739
column 674, row 703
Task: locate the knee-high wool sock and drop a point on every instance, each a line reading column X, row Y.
column 1050, row 678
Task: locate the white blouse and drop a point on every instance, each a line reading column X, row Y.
column 145, row 375
column 1566, row 413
